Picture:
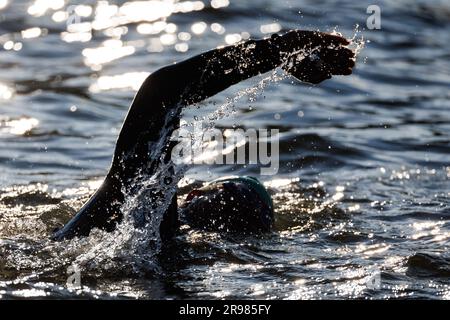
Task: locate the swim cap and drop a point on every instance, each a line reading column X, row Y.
column 231, row 204
column 252, row 183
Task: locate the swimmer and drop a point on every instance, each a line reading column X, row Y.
column 234, row 204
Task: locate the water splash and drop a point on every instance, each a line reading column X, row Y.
column 252, row 93
column 357, row 41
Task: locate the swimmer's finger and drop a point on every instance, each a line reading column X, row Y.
column 327, row 39
column 347, row 72
column 337, row 60
column 342, row 70
column 335, row 40
column 337, row 55
column 348, row 53
column 351, row 63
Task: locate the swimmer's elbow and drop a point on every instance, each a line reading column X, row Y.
column 154, row 81
column 156, row 88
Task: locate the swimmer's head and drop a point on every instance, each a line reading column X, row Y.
column 234, row 204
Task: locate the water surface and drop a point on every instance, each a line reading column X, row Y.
column 363, row 187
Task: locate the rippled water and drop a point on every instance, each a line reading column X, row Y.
column 363, row 189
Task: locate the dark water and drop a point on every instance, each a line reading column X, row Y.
column 362, row 194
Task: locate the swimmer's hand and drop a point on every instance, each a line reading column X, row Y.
column 313, row 57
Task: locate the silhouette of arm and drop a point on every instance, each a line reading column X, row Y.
column 155, row 110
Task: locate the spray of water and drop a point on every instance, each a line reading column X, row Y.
column 357, row 41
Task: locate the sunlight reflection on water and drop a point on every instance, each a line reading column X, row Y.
column 375, row 199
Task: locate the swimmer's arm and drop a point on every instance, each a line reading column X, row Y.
column 207, row 74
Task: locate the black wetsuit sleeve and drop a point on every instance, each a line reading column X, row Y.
column 203, row 76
